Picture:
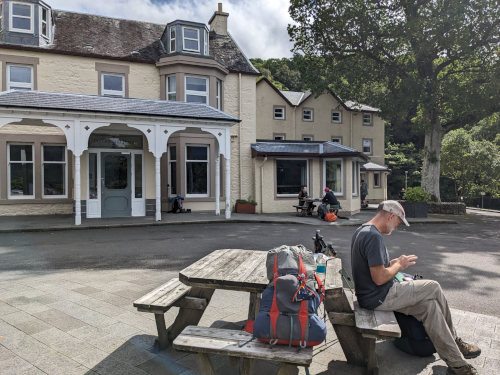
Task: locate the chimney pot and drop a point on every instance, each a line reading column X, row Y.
column 220, row 7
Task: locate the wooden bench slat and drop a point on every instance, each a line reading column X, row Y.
column 226, row 342
column 164, row 296
column 375, row 322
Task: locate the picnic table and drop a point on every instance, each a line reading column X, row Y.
column 306, row 208
column 245, row 270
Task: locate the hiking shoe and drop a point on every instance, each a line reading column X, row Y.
column 468, row 350
column 464, row 370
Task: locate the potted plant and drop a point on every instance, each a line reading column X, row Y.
column 415, row 202
column 245, row 206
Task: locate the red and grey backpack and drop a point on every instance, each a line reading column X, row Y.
column 288, row 310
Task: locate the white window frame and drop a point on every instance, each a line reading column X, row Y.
column 196, row 93
column 282, row 117
column 48, row 22
column 276, row 178
column 65, row 172
column 20, row 84
column 339, row 138
column 169, row 172
column 339, row 121
column 341, row 192
column 279, row 137
column 363, row 146
column 172, row 28
column 311, row 119
column 218, row 92
column 206, row 47
column 113, row 93
column 379, row 179
column 184, row 39
column 310, row 138
column 31, row 18
column 365, row 123
column 207, row 161
column 9, row 196
column 355, row 182
column 167, row 87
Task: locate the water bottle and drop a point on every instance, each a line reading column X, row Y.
column 320, row 264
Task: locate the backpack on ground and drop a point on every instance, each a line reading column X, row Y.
column 289, row 305
column 330, row 217
column 322, row 211
column 414, row 339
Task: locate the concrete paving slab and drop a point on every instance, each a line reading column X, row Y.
column 59, row 319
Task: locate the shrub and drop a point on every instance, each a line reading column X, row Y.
column 249, row 200
column 416, row 194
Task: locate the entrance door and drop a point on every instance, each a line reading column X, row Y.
column 115, row 184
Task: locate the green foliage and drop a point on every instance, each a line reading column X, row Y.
column 473, row 165
column 249, row 201
column 401, row 157
column 284, row 73
column 416, row 194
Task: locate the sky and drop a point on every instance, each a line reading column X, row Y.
column 258, row 26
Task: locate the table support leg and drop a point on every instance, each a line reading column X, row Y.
column 372, row 365
column 186, row 317
column 287, row 369
column 247, row 366
column 205, row 364
column 162, row 330
column 254, row 306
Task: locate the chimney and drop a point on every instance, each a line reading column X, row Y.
column 218, row 22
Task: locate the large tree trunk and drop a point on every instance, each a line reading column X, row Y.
column 432, row 158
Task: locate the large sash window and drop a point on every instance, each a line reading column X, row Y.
column 291, row 175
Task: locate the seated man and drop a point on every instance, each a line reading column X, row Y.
column 302, row 195
column 375, row 287
column 330, row 198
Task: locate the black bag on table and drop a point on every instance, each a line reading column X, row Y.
column 414, row 339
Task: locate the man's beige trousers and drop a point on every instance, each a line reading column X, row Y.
column 424, row 299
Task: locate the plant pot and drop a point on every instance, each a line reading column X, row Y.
column 415, row 209
column 245, row 208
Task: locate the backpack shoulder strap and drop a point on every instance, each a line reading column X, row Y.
column 274, row 312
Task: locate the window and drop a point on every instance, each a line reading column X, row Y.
column 196, row 89
column 376, row 179
column 337, row 117
column 307, row 138
column 367, row 119
column 44, row 22
column 279, row 113
column 291, row 175
column 171, row 88
column 172, row 39
column 113, row 85
column 218, row 93
column 172, row 169
column 93, row 193
column 279, row 137
column 205, row 43
column 54, row 171
column 19, row 77
column 20, row 171
column 337, row 140
column 197, row 171
column 191, row 39
column 367, row 146
column 307, row 115
column 138, row 176
column 354, row 178
column 21, row 18
column 332, row 175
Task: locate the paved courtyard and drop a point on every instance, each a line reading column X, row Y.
column 66, row 297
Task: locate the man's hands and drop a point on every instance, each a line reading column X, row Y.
column 380, row 274
column 404, row 261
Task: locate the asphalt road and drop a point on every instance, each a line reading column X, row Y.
column 464, row 258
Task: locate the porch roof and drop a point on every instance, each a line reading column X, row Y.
column 370, row 166
column 298, row 148
column 129, row 106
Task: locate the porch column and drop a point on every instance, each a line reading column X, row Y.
column 78, row 203
column 227, row 177
column 217, row 184
column 158, row 189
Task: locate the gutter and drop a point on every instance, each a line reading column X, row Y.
column 261, row 185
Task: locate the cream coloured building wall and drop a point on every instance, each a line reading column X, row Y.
column 78, row 75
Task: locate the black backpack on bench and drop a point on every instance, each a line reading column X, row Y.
column 414, row 339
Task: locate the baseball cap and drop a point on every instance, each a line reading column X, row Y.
column 327, row 189
column 394, row 207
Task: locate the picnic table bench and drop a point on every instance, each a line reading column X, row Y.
column 245, row 270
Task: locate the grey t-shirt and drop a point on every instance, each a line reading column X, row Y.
column 368, row 250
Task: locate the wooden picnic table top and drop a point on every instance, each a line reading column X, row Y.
column 243, row 270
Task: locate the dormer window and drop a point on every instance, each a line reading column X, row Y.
column 172, row 39
column 45, row 22
column 21, row 18
column 191, row 39
column 205, row 39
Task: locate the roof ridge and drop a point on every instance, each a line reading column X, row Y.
column 108, row 17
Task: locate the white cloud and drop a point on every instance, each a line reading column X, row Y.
column 258, row 26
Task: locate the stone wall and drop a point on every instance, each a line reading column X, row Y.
column 449, row 208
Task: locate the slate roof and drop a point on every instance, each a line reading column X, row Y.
column 296, row 148
column 91, row 35
column 102, row 104
column 374, row 167
column 355, row 106
column 296, row 97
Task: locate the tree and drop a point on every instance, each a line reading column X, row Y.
column 433, row 61
column 473, row 165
